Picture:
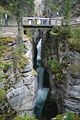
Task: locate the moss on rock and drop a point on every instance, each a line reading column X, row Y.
column 6, row 40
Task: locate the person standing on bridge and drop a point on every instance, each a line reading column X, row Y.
column 57, row 14
column 6, row 17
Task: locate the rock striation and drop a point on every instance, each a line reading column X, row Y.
column 21, row 92
column 65, row 84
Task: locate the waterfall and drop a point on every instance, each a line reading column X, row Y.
column 42, row 92
column 39, row 49
column 40, row 72
column 46, row 106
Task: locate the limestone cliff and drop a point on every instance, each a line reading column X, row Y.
column 20, row 79
column 60, row 55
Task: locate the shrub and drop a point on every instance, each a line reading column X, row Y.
column 74, row 41
column 67, row 116
column 25, row 117
column 61, row 33
column 5, row 40
column 75, row 69
column 2, row 94
column 54, row 65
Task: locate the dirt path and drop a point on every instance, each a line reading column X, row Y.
column 8, row 31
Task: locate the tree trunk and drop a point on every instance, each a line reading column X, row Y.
column 19, row 37
column 17, row 49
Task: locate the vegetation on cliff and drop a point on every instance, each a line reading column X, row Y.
column 74, row 40
column 67, row 116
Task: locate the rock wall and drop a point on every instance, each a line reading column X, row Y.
column 21, row 92
column 64, row 84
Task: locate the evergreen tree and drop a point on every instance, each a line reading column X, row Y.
column 67, row 10
column 17, row 8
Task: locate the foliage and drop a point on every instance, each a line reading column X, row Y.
column 59, row 117
column 21, row 59
column 61, row 32
column 50, row 7
column 67, row 11
column 1, row 75
column 25, row 117
column 75, row 32
column 6, row 40
column 67, row 116
column 4, row 44
column 6, row 112
column 2, row 94
column 18, row 7
column 75, row 68
column 5, row 66
column 74, row 40
column 54, row 65
column 28, row 33
column 4, row 48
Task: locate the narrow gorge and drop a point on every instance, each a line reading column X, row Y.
column 58, row 70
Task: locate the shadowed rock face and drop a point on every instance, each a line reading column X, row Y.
column 50, row 108
column 66, row 91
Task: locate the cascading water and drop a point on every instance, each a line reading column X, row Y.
column 42, row 92
column 46, row 106
column 39, row 49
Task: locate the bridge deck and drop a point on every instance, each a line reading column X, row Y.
column 38, row 22
column 38, row 26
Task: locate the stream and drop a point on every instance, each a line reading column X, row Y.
column 43, row 100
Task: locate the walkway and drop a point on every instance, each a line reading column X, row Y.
column 41, row 22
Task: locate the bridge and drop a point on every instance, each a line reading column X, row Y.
column 38, row 22
column 41, row 22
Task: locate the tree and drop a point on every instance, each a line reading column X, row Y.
column 17, row 8
column 50, row 7
column 67, row 10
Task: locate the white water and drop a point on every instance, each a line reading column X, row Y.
column 40, row 72
column 42, row 92
column 39, row 49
